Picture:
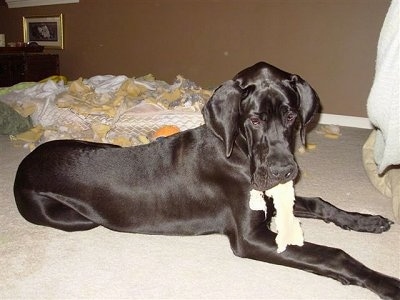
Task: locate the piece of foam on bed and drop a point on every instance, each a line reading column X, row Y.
column 288, row 227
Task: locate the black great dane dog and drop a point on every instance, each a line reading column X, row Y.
column 198, row 181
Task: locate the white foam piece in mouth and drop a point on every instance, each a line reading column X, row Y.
column 288, row 227
column 256, row 201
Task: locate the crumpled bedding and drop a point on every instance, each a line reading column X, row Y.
column 12, row 122
column 388, row 183
column 381, row 152
column 112, row 109
column 384, row 99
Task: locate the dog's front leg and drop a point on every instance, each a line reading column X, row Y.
column 316, row 208
column 259, row 243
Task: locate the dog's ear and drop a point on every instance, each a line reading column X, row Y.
column 309, row 103
column 221, row 113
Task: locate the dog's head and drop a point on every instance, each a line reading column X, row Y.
column 260, row 109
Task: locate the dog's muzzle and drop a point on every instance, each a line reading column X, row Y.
column 269, row 175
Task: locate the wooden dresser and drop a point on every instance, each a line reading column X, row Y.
column 18, row 67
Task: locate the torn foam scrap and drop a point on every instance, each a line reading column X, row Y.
column 288, row 227
column 257, row 201
column 329, row 131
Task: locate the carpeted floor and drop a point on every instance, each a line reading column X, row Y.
column 44, row 263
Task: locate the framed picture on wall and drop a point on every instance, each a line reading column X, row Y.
column 47, row 31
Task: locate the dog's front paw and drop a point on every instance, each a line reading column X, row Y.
column 373, row 224
column 363, row 222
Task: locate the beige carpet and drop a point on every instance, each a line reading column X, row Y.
column 43, row 263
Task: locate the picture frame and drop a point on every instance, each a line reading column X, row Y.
column 46, row 31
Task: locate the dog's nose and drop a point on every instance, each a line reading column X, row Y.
column 283, row 172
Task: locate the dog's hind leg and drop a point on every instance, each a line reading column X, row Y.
column 316, row 208
column 44, row 210
column 259, row 244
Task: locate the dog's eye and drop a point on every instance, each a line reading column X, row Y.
column 255, row 121
column 245, row 93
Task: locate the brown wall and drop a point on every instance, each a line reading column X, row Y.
column 331, row 43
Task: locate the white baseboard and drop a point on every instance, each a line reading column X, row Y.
column 347, row 121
